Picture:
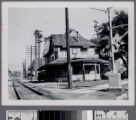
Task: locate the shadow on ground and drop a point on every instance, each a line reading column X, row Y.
column 36, row 81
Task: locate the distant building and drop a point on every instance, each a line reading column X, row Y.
column 86, row 64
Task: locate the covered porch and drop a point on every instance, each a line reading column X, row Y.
column 86, row 72
column 83, row 69
column 87, row 69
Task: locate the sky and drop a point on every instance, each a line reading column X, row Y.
column 23, row 21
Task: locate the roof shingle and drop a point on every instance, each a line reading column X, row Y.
column 59, row 40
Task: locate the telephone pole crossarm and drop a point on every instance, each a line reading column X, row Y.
column 118, row 26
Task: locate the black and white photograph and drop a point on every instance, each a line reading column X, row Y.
column 68, row 53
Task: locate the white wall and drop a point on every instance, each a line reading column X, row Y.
column 78, row 53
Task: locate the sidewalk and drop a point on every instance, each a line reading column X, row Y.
column 95, row 90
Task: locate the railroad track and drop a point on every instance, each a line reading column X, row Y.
column 24, row 92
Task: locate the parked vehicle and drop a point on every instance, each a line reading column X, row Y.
column 41, row 75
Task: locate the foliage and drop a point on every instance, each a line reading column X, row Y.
column 103, row 46
column 24, row 70
column 38, row 34
column 16, row 74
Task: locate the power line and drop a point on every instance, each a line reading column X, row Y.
column 99, row 9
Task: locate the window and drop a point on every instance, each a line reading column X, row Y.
column 52, row 58
column 74, row 51
column 77, row 70
column 97, row 68
column 84, row 50
column 90, row 69
column 56, row 54
column 60, row 73
column 63, row 49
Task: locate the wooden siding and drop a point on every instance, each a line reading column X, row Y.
column 78, row 53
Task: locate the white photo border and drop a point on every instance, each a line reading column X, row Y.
column 131, row 85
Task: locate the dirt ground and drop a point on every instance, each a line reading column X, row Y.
column 94, row 90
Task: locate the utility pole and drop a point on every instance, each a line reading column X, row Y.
column 111, row 61
column 111, row 41
column 35, row 61
column 24, row 69
column 30, row 53
column 68, row 50
column 31, row 63
column 114, row 76
column 35, row 47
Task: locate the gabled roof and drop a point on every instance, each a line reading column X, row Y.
column 59, row 40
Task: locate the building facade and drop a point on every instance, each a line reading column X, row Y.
column 86, row 65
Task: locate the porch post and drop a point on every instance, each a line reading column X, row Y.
column 95, row 71
column 99, row 69
column 72, row 72
column 83, row 72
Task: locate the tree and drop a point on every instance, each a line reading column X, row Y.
column 9, row 72
column 38, row 34
column 16, row 74
column 122, row 18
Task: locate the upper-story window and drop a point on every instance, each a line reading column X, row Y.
column 73, row 33
column 62, row 49
column 84, row 50
column 74, row 51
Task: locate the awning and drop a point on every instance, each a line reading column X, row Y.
column 57, row 62
column 63, row 61
column 90, row 60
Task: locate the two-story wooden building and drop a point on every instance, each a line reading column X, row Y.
column 86, row 64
